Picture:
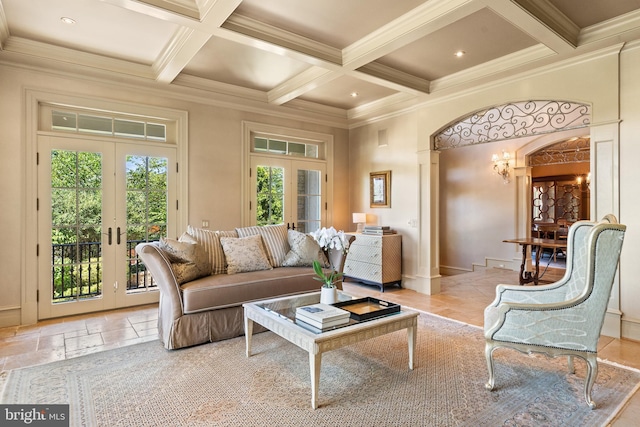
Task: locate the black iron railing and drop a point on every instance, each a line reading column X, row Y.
column 77, row 271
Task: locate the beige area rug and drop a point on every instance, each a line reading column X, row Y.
column 367, row 384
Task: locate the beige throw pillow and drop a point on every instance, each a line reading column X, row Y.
column 304, row 250
column 274, row 238
column 244, row 254
column 188, row 260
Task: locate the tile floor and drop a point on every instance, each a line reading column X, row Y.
column 463, row 298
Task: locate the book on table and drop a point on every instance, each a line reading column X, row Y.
column 310, row 324
column 322, row 315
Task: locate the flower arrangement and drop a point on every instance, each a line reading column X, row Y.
column 329, row 238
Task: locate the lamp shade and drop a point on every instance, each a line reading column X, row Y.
column 359, row 218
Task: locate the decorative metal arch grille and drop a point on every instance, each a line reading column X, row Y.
column 575, row 150
column 514, row 120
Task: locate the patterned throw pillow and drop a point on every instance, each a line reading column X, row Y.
column 274, row 238
column 304, row 250
column 244, row 254
column 210, row 240
column 188, row 260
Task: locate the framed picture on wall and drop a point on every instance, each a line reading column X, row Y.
column 380, row 189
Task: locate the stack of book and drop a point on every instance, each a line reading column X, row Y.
column 322, row 316
column 377, row 230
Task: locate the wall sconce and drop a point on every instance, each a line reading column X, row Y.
column 501, row 166
column 360, row 219
column 587, row 180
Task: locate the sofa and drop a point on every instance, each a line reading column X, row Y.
column 205, row 276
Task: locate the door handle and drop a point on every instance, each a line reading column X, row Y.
column 110, row 234
column 118, row 237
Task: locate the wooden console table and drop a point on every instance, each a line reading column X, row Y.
column 539, row 245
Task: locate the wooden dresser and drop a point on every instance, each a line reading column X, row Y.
column 375, row 260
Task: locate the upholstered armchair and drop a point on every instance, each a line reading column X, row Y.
column 563, row 318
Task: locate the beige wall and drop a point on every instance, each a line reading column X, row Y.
column 215, row 147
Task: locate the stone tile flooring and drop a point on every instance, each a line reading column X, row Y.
column 463, row 298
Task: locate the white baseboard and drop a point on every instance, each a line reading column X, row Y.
column 630, row 329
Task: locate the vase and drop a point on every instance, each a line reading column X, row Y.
column 328, row 295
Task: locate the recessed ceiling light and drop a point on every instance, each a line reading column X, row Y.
column 354, row 94
column 460, row 53
column 68, row 20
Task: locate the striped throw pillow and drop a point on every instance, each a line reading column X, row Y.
column 210, row 240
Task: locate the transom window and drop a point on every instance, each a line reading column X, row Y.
column 285, row 147
column 105, row 125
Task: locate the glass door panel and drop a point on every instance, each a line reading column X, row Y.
column 309, row 200
column 288, row 191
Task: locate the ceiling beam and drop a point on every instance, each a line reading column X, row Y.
column 419, row 22
column 187, row 42
column 541, row 20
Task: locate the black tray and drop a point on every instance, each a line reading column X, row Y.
column 368, row 308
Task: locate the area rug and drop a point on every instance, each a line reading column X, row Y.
column 366, row 384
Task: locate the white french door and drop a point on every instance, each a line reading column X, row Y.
column 98, row 198
column 288, row 191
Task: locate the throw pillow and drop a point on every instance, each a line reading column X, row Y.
column 210, row 240
column 274, row 238
column 304, row 250
column 188, row 260
column 244, row 254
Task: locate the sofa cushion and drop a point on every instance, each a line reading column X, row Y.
column 224, row 290
column 244, row 254
column 274, row 238
column 210, row 240
column 304, row 250
column 188, row 260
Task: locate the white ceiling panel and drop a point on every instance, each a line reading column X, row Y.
column 336, row 23
column 237, row 64
column 339, row 93
column 100, row 28
column 482, row 36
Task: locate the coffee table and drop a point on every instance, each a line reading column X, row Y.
column 278, row 316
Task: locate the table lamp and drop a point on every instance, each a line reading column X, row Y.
column 360, row 219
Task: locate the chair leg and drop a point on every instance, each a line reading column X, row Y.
column 592, row 373
column 572, row 369
column 488, row 353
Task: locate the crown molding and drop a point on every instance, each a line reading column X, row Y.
column 383, row 107
column 553, row 18
column 283, row 39
column 395, row 79
column 4, row 27
column 621, row 27
column 496, row 66
column 300, row 84
column 55, row 53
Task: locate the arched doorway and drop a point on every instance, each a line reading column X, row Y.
column 479, row 208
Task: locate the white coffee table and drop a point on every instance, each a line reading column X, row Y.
column 278, row 314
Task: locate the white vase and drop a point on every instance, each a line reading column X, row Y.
column 328, row 295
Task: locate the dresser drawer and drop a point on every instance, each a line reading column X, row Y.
column 371, row 254
column 363, row 271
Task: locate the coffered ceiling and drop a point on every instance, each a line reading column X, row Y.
column 347, row 60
